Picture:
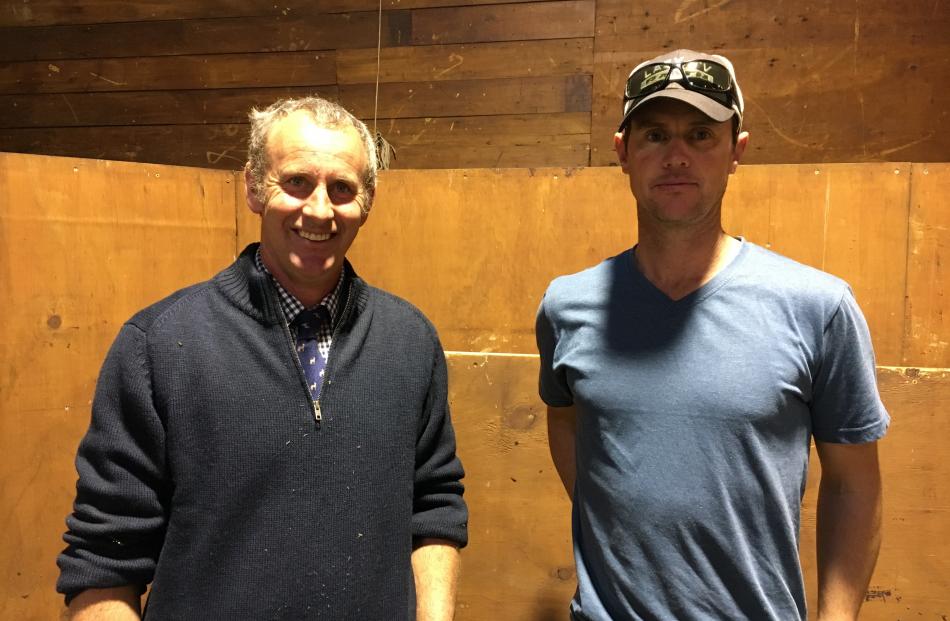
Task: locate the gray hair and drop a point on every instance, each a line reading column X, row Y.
column 326, row 114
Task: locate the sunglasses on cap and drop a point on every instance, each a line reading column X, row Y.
column 703, row 76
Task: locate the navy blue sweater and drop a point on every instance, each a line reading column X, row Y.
column 205, row 473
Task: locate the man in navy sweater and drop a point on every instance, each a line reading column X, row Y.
column 274, row 443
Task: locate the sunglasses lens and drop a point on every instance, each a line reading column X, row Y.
column 707, row 75
column 647, row 80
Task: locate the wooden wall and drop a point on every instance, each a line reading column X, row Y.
column 488, row 84
column 83, row 244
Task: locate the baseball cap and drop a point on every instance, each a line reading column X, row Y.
column 705, row 81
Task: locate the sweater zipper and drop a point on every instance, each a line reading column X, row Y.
column 293, row 354
column 317, row 413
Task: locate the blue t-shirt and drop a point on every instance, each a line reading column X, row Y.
column 694, row 423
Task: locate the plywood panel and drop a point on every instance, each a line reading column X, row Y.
column 143, row 108
column 489, row 242
column 866, row 244
column 506, row 22
column 927, row 336
column 519, row 562
column 844, row 219
column 465, row 62
column 84, row 244
column 813, row 77
column 170, row 73
column 472, row 232
column 520, row 515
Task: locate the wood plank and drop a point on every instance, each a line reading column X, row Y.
column 567, row 151
column 927, row 335
column 209, row 146
column 143, row 108
column 204, row 36
column 467, row 97
column 489, row 141
column 503, row 22
column 344, row 6
column 468, row 131
column 278, row 69
column 454, row 142
column 466, row 62
column 48, row 12
column 100, row 254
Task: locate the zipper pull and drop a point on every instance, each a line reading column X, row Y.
column 316, row 411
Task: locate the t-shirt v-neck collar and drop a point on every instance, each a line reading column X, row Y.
column 647, row 292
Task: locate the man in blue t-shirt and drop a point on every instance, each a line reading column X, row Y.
column 685, row 379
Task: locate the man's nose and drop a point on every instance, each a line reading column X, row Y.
column 677, row 155
column 318, row 204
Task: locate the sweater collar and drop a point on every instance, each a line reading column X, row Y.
column 253, row 291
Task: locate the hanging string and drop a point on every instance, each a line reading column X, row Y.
column 379, row 45
column 384, row 151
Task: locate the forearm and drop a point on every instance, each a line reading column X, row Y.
column 848, row 539
column 562, row 434
column 435, row 568
column 113, row 604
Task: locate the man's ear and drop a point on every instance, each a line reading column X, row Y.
column 620, row 146
column 741, row 143
column 254, row 203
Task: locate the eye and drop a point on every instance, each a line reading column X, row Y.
column 297, row 185
column 702, row 133
column 341, row 191
column 654, row 135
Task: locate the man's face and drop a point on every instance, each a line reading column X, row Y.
column 679, row 161
column 311, row 204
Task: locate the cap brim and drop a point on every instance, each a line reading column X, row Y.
column 711, row 108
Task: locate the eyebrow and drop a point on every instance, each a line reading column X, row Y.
column 653, row 122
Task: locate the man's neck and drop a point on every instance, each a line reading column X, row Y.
column 680, row 262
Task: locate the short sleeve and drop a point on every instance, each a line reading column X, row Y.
column 846, row 407
column 552, row 385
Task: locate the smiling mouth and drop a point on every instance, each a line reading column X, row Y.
column 314, row 236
